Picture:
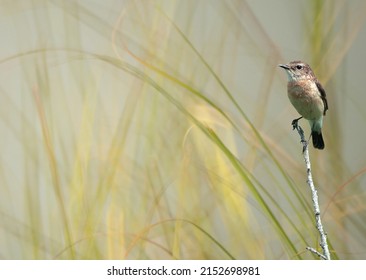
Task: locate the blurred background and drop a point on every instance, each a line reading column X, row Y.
column 162, row 129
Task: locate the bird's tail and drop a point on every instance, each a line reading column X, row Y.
column 318, row 141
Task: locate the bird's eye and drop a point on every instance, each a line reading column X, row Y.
column 299, row 66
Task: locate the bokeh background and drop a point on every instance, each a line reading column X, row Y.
column 162, row 129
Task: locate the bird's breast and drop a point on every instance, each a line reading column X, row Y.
column 306, row 98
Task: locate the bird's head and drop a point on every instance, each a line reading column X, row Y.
column 297, row 70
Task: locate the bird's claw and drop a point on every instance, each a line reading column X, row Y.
column 295, row 123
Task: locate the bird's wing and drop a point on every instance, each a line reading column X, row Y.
column 323, row 96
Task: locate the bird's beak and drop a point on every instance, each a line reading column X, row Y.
column 284, row 66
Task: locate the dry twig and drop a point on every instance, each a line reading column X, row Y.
column 314, row 194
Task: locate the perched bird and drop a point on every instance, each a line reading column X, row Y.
column 308, row 97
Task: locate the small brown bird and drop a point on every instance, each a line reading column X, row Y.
column 308, row 97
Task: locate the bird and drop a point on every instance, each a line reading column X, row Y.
column 308, row 97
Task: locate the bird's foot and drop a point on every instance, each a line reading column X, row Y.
column 294, row 122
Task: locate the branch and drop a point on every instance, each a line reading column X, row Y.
column 314, row 195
